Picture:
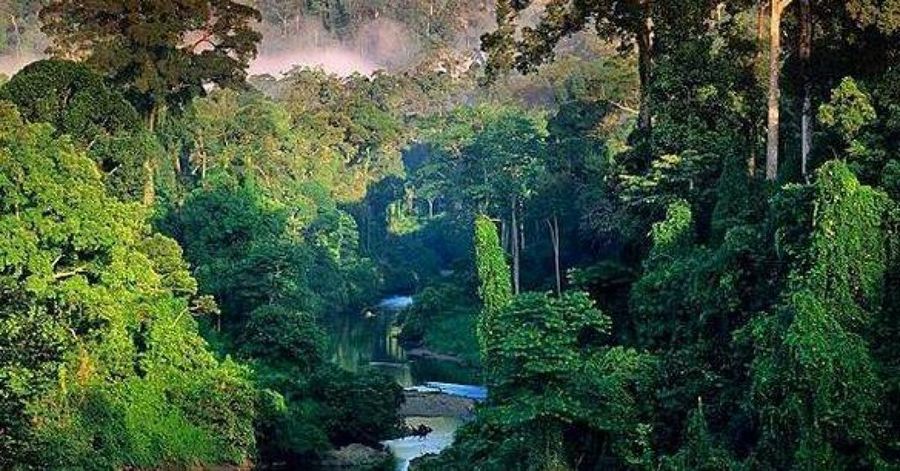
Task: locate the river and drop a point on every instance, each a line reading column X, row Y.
column 369, row 340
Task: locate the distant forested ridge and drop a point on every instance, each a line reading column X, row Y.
column 663, row 234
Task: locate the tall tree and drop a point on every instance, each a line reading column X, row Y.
column 78, row 102
column 493, row 275
column 776, row 12
column 815, row 383
column 806, row 108
column 162, row 53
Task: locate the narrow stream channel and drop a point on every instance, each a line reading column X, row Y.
column 369, row 341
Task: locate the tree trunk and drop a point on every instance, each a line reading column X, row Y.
column 774, row 116
column 18, row 34
column 553, row 225
column 521, row 236
column 645, row 70
column 203, row 156
column 514, row 224
column 152, row 116
column 806, row 113
column 149, row 193
column 755, row 124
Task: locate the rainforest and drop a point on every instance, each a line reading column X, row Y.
column 450, row 235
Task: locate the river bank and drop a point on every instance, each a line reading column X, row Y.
column 440, row 413
column 439, row 408
column 437, row 399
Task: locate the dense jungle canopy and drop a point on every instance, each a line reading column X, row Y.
column 661, row 235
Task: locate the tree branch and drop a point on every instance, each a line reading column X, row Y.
column 622, row 107
column 68, row 273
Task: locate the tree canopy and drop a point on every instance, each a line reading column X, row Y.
column 161, row 53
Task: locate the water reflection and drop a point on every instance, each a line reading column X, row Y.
column 370, row 340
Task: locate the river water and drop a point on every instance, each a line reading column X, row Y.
column 407, row 449
column 368, row 340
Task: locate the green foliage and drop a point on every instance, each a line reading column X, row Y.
column 129, row 161
column 79, row 103
column 814, row 378
column 755, row 325
column 701, row 453
column 851, row 121
column 280, row 255
column 674, row 234
column 495, row 286
column 350, row 128
column 72, row 98
column 102, row 366
column 849, row 110
column 167, row 56
column 282, row 335
column 444, row 318
column 554, row 376
column 357, row 408
column 325, row 408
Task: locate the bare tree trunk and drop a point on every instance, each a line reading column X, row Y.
column 149, row 195
column 151, row 117
column 553, row 225
column 806, row 120
column 755, row 125
column 18, row 34
column 521, row 236
column 645, row 69
column 203, row 157
column 515, row 244
column 774, row 115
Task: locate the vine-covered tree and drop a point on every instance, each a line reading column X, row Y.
column 493, row 274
